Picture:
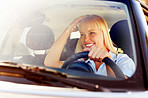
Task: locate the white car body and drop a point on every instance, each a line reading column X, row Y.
column 15, row 90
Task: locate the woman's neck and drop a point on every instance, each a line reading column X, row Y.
column 97, row 65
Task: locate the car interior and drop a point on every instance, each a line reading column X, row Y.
column 40, row 29
column 36, row 41
column 120, row 36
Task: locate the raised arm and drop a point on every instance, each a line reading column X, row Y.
column 53, row 57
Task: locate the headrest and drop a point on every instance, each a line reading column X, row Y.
column 40, row 37
column 69, row 49
column 120, row 35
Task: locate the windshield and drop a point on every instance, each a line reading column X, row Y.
column 30, row 32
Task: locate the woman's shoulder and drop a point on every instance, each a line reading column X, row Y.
column 125, row 63
column 124, row 57
column 121, row 57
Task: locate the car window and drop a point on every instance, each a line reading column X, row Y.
column 28, row 30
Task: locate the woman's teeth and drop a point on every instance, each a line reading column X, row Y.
column 88, row 45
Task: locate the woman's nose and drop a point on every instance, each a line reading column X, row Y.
column 86, row 38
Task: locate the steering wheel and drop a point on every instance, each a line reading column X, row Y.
column 71, row 63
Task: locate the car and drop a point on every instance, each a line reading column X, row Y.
column 29, row 28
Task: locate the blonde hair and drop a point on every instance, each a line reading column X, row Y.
column 98, row 21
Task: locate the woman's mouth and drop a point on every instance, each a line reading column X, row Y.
column 89, row 45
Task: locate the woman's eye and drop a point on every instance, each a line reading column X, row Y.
column 82, row 35
column 92, row 33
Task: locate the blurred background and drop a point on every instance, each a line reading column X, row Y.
column 145, row 1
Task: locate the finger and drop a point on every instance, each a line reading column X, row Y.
column 99, row 53
column 95, row 53
column 98, row 56
column 91, row 51
column 77, row 20
column 86, row 49
column 81, row 17
column 103, row 54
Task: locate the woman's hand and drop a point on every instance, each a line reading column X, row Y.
column 53, row 57
column 97, row 54
column 73, row 26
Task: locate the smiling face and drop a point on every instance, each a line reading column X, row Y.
column 94, row 32
column 91, row 35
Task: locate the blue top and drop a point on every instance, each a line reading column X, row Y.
column 125, row 63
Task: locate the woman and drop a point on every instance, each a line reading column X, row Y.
column 94, row 38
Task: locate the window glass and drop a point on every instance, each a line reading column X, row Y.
column 29, row 29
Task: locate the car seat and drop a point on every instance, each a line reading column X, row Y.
column 120, row 35
column 38, row 38
column 69, row 49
